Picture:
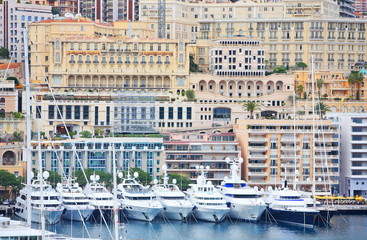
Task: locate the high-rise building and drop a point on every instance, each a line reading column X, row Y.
column 360, row 6
column 110, row 10
column 347, row 8
column 275, row 150
column 14, row 18
column 353, row 152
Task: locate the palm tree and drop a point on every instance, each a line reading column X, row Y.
column 353, row 78
column 321, row 108
column 251, row 107
column 319, row 83
column 299, row 90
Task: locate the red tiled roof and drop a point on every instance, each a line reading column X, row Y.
column 11, row 65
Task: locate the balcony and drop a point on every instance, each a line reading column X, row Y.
column 258, row 139
column 257, row 165
column 257, row 174
column 95, row 61
column 257, row 148
column 257, row 157
column 71, row 61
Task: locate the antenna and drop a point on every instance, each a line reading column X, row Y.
column 165, row 175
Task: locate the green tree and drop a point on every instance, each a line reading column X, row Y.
column 98, row 132
column 302, row 65
column 18, row 136
column 4, row 52
column 355, row 78
column 321, row 108
column 16, row 81
column 86, row 134
column 251, row 107
column 319, row 84
column 80, row 176
column 280, row 69
column 190, row 94
column 54, row 178
column 181, row 181
column 144, row 177
column 193, row 66
column 7, row 179
column 17, row 186
column 299, row 89
column 55, row 11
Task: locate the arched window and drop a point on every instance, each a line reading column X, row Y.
column 57, row 45
column 95, row 59
column 72, row 58
column 159, row 59
column 167, row 59
column 135, row 47
column 88, row 59
column 80, row 58
column 143, row 59
column 201, row 61
column 151, row 59
column 2, row 101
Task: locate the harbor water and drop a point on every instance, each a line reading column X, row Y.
column 343, row 227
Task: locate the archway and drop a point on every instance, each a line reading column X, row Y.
column 9, row 158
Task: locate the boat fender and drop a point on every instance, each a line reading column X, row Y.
column 228, row 204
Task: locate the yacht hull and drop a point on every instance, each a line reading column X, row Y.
column 246, row 212
column 142, row 213
column 304, row 218
column 51, row 217
column 75, row 215
column 176, row 213
column 210, row 214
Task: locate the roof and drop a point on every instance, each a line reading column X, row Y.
column 73, row 20
column 10, row 65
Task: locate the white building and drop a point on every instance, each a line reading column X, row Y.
column 353, row 154
column 14, row 17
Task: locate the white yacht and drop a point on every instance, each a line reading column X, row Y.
column 175, row 204
column 76, row 204
column 140, row 204
column 52, row 207
column 209, row 204
column 245, row 202
column 289, row 207
column 99, row 196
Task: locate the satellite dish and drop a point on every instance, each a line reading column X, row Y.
column 256, row 188
column 270, row 189
column 227, row 159
column 76, row 184
column 58, row 185
column 197, row 167
column 136, row 174
column 297, row 172
column 120, row 175
column 201, row 167
column 210, row 183
column 97, row 177
column 225, row 179
column 32, row 175
column 155, row 181
column 164, row 167
column 207, row 167
column 240, row 160
column 174, row 181
column 296, row 180
column 45, row 174
column 92, row 177
column 319, row 179
column 308, row 179
column 69, row 15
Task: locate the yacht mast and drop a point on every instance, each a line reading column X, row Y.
column 115, row 207
column 313, row 131
column 40, row 175
column 294, row 141
column 28, row 126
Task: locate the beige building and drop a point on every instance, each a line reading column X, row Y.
column 290, row 31
column 8, row 98
column 12, row 158
column 273, row 150
column 81, row 54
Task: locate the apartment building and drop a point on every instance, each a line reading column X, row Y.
column 81, row 54
column 96, row 153
column 353, row 152
column 290, row 32
column 279, row 149
column 184, row 151
column 14, row 18
column 12, row 158
column 347, row 8
column 360, row 6
column 110, row 10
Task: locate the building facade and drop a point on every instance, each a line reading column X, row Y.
column 353, row 152
column 184, row 151
column 275, row 150
column 80, row 54
column 360, row 6
column 14, row 18
column 96, row 153
column 290, row 32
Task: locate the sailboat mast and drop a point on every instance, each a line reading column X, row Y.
column 28, row 126
column 294, row 141
column 40, row 174
column 313, row 131
column 115, row 207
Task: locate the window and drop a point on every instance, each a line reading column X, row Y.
column 96, row 115
column 38, row 111
column 85, row 112
column 188, row 112
column 68, row 112
column 161, row 112
column 179, row 113
column 222, row 114
column 170, row 113
column 76, row 112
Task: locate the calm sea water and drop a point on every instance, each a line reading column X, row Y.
column 344, row 227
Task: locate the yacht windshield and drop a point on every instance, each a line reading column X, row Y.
column 173, row 198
